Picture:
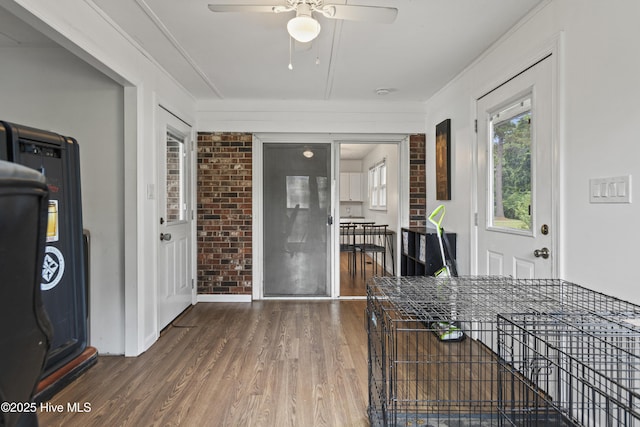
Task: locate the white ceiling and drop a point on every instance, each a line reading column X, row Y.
column 355, row 151
column 245, row 55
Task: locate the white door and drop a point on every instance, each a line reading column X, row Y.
column 515, row 168
column 174, row 198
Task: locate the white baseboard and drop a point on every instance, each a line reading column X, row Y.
column 223, row 298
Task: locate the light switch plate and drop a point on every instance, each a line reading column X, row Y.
column 151, row 191
column 615, row 189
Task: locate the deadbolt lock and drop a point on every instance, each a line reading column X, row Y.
column 544, row 229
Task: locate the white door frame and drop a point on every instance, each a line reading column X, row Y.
column 310, row 138
column 554, row 49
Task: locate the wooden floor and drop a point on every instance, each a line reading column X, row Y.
column 266, row 363
column 355, row 284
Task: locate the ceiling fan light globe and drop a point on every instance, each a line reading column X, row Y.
column 303, row 28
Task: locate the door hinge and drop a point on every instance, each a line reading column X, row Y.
column 192, row 284
column 476, row 125
column 475, row 219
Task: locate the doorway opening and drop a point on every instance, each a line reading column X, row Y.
column 369, row 206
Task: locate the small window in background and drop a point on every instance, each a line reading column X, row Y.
column 378, row 186
column 373, row 187
column 382, row 191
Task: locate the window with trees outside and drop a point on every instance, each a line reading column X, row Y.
column 378, row 186
column 510, row 141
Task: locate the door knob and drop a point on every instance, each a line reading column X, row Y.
column 165, row 236
column 544, row 253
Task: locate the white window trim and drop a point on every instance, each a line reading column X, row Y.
column 378, row 187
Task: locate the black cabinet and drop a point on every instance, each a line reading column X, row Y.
column 421, row 251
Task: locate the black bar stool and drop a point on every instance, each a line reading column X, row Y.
column 348, row 245
column 374, row 237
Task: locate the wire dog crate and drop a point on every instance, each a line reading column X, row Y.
column 485, row 351
column 582, row 366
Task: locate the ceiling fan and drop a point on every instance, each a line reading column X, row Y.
column 304, row 27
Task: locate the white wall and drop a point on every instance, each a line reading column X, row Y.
column 350, row 165
column 311, row 116
column 80, row 28
column 51, row 89
column 599, row 116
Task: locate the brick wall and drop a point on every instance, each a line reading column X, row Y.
column 224, row 213
column 417, row 181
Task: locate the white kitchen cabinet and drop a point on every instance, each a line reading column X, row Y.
column 351, row 187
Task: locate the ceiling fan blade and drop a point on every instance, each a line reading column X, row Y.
column 240, row 8
column 382, row 15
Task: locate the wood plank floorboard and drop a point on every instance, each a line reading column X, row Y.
column 267, row 363
column 355, row 284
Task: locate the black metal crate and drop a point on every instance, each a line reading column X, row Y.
column 435, row 349
column 585, row 366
